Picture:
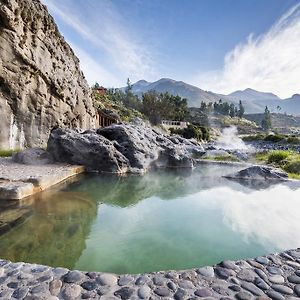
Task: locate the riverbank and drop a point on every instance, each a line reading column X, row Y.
column 275, row 276
column 18, row 181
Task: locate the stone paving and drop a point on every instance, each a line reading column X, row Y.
column 18, row 181
column 275, row 276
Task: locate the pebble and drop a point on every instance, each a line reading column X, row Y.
column 171, row 285
column 244, row 296
column 124, row 293
column 252, row 288
column 262, row 260
column 276, row 279
column 203, row 292
column 228, row 264
column 144, row 292
column 107, row 279
column 261, row 283
column 275, row 295
column 180, row 294
column 125, row 280
column 206, row 271
column 246, row 274
column 186, row 284
column 55, row 286
column 282, row 289
column 89, row 285
column 297, row 289
column 159, row 280
column 71, row 291
column 274, row 271
column 20, row 293
column 222, row 272
column 73, row 277
column 261, row 274
column 162, row 291
column 293, row 279
column 141, row 280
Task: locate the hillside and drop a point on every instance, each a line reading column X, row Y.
column 253, row 101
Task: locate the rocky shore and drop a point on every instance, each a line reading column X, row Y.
column 275, row 276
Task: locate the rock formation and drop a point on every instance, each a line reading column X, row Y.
column 122, row 148
column 41, row 84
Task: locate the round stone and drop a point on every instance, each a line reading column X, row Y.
column 55, row 286
column 262, row 260
column 276, row 279
column 180, row 294
column 144, row 292
column 244, row 296
column 107, row 279
column 274, row 270
column 252, row 288
column 294, row 279
column 20, row 293
column 71, row 291
column 206, row 271
column 203, row 292
column 275, row 295
column 261, row 283
column 186, row 284
column 261, row 274
column 171, row 285
column 228, row 264
column 141, row 280
column 282, row 289
column 159, row 280
column 42, row 288
column 162, row 291
column 221, row 290
column 125, row 280
column 235, row 288
column 124, row 293
column 73, row 277
column 1, row 271
column 246, row 274
column 60, row 271
column 89, row 285
column 222, row 272
column 297, row 289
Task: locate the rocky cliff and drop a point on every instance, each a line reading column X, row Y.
column 41, row 84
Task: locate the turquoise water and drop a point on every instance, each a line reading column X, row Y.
column 159, row 221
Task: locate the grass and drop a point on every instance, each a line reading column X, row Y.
column 222, row 158
column 7, row 153
column 288, row 161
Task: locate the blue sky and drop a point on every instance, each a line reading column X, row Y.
column 217, row 45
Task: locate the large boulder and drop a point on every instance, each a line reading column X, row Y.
column 259, row 173
column 121, row 148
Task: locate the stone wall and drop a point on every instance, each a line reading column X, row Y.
column 41, row 84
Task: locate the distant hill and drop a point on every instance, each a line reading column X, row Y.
column 194, row 94
column 253, row 101
column 253, row 95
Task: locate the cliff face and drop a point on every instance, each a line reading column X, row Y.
column 41, row 84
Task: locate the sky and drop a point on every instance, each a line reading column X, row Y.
column 220, row 46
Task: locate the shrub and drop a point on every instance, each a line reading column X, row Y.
column 293, row 140
column 7, row 153
column 193, row 131
column 278, row 156
column 293, row 167
column 274, row 138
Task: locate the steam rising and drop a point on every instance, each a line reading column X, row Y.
column 229, row 140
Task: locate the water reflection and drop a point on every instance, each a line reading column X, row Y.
column 125, row 225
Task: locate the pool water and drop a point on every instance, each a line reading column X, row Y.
column 160, row 221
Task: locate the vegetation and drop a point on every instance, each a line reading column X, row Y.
column 228, row 157
column 276, row 138
column 223, row 108
column 266, row 122
column 289, row 161
column 7, row 153
column 197, row 132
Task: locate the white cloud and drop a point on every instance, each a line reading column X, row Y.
column 105, row 30
column 269, row 62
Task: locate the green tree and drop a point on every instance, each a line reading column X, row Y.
column 232, row 110
column 266, row 121
column 241, row 110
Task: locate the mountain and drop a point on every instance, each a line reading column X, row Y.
column 194, row 94
column 253, row 101
column 253, row 95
